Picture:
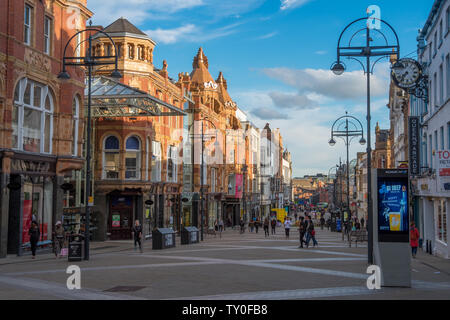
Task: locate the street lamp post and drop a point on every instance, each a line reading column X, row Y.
column 89, row 61
column 381, row 50
column 201, row 178
column 341, row 129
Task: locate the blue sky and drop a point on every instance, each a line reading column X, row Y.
column 276, row 57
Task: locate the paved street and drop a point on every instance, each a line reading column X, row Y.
column 236, row 266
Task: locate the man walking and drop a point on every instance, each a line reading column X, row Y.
column 137, row 233
column 301, row 231
column 308, row 224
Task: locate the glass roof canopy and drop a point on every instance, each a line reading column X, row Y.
column 110, row 98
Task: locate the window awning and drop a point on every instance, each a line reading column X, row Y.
column 110, row 98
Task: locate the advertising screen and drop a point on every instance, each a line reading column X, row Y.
column 393, row 219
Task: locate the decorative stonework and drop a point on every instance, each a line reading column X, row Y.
column 37, row 60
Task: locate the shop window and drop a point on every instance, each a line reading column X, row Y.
column 132, row 157
column 111, row 160
column 156, row 161
column 32, row 118
column 75, row 124
column 442, row 221
column 172, row 164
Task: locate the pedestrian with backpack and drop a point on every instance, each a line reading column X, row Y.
column 266, row 227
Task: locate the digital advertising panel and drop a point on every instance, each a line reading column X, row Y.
column 393, row 216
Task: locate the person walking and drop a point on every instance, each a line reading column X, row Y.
column 256, row 225
column 242, row 224
column 137, row 233
column 58, row 239
column 414, row 239
column 362, row 223
column 308, row 223
column 34, row 237
column 287, row 226
column 266, row 227
column 273, row 224
column 312, row 235
column 301, row 231
column 322, row 222
column 221, row 227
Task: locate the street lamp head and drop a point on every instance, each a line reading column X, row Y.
column 362, row 141
column 332, row 142
column 116, row 74
column 338, row 68
column 64, row 75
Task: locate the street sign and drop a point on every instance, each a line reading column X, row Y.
column 414, row 147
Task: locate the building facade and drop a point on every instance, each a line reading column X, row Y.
column 41, row 117
column 431, row 189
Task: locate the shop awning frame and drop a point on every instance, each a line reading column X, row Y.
column 111, row 99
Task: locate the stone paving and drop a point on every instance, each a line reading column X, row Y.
column 233, row 267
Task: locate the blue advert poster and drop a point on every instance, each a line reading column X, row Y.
column 393, row 205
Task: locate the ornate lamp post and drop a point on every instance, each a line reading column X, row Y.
column 368, row 50
column 347, row 128
column 89, row 61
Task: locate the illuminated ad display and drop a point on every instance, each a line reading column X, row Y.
column 393, row 218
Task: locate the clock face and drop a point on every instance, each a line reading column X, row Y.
column 409, row 75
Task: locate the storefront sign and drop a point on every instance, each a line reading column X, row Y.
column 19, row 165
column 414, row 148
column 443, row 169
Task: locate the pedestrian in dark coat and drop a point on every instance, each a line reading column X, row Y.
column 273, row 224
column 266, row 227
column 34, row 237
column 302, row 231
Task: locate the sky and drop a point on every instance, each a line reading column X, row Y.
column 276, row 57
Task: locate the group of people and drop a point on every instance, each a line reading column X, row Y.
column 307, row 232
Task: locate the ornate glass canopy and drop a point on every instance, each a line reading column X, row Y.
column 110, row 98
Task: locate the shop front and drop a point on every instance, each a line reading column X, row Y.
column 32, row 190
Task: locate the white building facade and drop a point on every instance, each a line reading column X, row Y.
column 432, row 187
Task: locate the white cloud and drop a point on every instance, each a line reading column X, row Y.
column 267, row 36
column 190, row 33
column 291, row 4
column 350, row 85
column 268, row 114
column 137, row 11
column 292, row 101
column 168, row 36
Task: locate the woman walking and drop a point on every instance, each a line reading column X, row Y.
column 137, row 232
column 414, row 239
column 34, row 237
column 312, row 235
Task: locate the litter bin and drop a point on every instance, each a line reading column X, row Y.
column 189, row 235
column 76, row 248
column 163, row 238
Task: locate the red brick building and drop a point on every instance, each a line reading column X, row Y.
column 39, row 115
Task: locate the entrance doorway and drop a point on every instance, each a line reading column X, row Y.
column 120, row 220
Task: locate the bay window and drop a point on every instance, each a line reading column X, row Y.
column 156, row 161
column 32, row 117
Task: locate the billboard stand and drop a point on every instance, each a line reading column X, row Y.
column 392, row 252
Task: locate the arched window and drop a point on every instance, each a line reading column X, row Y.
column 111, row 158
column 32, row 118
column 75, row 123
column 132, row 157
